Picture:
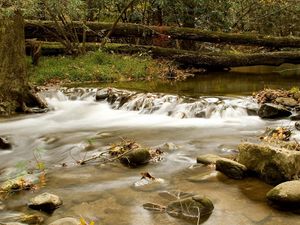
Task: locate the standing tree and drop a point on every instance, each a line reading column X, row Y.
column 15, row 92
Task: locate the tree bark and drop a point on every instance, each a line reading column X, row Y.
column 34, row 29
column 15, row 93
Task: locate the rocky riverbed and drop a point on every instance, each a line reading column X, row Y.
column 78, row 169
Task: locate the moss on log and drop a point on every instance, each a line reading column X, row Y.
column 44, row 31
column 215, row 61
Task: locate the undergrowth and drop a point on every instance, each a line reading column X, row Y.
column 94, row 67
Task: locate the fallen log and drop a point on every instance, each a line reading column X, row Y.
column 43, row 30
column 212, row 61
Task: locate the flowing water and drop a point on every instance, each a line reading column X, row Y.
column 106, row 193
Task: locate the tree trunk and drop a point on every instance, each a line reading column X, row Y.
column 215, row 61
column 34, row 29
column 15, row 94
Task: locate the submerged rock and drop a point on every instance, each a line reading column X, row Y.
column 66, row 221
column 190, row 208
column 136, row 157
column 15, row 218
column 273, row 111
column 4, row 144
column 46, row 202
column 208, row 159
column 272, row 164
column 286, row 194
column 231, row 168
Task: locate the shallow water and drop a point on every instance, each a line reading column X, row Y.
column 106, row 193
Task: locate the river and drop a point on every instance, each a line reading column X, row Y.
column 105, row 193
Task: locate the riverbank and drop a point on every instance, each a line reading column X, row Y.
column 97, row 67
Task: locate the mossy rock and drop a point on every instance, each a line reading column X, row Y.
column 136, row 157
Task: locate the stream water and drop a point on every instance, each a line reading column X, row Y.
column 106, row 193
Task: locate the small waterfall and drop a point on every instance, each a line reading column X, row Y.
column 160, row 104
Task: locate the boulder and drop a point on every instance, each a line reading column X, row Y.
column 208, row 159
column 46, row 202
column 272, row 164
column 136, row 157
column 272, row 111
column 290, row 102
column 4, row 144
column 286, row 194
column 66, row 221
column 190, row 208
column 102, row 94
column 231, row 168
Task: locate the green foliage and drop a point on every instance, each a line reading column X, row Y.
column 94, row 66
column 294, row 90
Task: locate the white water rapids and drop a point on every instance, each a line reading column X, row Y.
column 197, row 126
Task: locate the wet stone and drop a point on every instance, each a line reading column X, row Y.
column 208, row 159
column 190, row 208
column 231, row 168
column 286, row 195
column 136, row 157
column 273, row 111
column 4, row 144
column 46, row 202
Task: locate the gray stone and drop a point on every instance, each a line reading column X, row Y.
column 272, row 164
column 46, row 202
column 231, row 168
column 136, row 157
column 102, row 94
column 190, row 208
column 286, row 194
column 286, row 101
column 66, row 221
column 273, row 111
column 208, row 159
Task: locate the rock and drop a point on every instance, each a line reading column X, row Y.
column 208, row 159
column 190, row 208
column 272, row 111
column 18, row 184
column 102, row 94
column 20, row 218
column 290, row 102
column 297, row 125
column 231, row 168
column 297, row 95
column 31, row 219
column 295, row 117
column 272, row 164
column 168, row 146
column 286, row 194
column 46, row 202
column 136, row 157
column 66, row 221
column 4, row 144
